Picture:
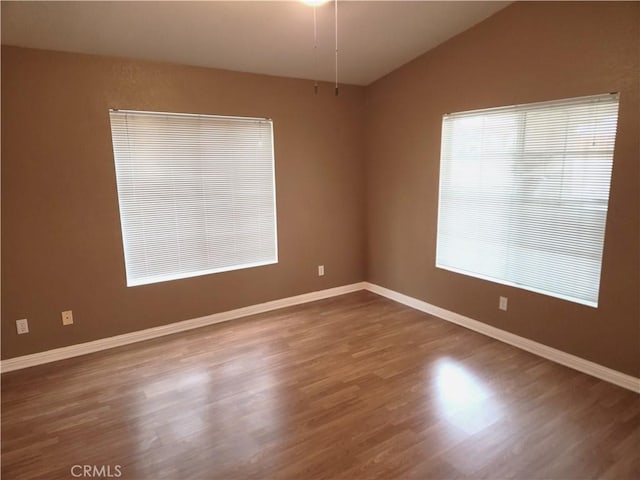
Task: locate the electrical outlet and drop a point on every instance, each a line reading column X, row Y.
column 320, row 270
column 502, row 305
column 22, row 326
column 67, row 317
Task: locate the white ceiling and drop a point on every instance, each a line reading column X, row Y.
column 270, row 37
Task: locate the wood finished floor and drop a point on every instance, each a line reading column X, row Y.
column 353, row 387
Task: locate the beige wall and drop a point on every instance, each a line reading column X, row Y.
column 61, row 241
column 61, row 244
column 525, row 53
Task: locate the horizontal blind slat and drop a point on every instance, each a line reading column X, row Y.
column 524, row 194
column 196, row 193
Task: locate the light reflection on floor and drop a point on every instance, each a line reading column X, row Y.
column 471, row 409
column 171, row 432
column 463, row 399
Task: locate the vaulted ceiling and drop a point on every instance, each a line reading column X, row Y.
column 270, row 37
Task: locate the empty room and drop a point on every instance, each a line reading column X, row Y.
column 320, row 240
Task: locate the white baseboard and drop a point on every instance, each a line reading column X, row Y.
column 54, row 355
column 558, row 356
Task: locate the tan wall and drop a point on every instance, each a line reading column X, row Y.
column 525, row 53
column 61, row 241
column 61, row 244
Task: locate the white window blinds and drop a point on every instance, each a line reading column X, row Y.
column 196, row 193
column 524, row 193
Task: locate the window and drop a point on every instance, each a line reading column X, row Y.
column 196, row 193
column 524, row 194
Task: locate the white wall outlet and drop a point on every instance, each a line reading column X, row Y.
column 67, row 317
column 502, row 305
column 320, row 270
column 22, row 326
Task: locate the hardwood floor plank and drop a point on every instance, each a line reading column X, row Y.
column 352, row 387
